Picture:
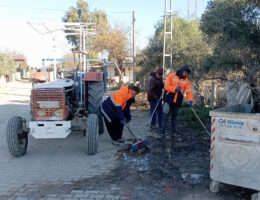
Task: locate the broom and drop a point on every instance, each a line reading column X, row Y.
column 138, row 144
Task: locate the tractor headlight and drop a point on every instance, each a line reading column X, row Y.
column 58, row 113
column 40, row 113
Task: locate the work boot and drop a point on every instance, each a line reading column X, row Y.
column 121, row 140
column 115, row 143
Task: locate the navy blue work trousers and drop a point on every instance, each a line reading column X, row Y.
column 157, row 113
column 169, row 110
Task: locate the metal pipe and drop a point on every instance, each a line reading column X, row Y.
column 164, row 36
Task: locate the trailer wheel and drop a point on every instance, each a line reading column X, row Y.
column 214, row 187
column 95, row 99
column 92, row 134
column 17, row 140
column 255, row 196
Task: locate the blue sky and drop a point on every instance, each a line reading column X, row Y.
column 17, row 35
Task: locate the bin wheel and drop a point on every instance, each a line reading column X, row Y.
column 92, row 134
column 255, row 196
column 17, row 140
column 214, row 187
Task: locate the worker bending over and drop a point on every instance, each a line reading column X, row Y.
column 116, row 109
column 176, row 85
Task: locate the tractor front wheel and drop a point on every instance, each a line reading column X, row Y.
column 92, row 134
column 17, row 139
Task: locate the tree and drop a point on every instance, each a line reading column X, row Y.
column 189, row 48
column 81, row 13
column 68, row 64
column 7, row 64
column 19, row 58
column 112, row 40
column 115, row 42
column 233, row 28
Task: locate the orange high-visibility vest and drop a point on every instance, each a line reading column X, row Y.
column 173, row 81
column 121, row 96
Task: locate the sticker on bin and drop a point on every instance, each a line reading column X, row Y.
column 229, row 123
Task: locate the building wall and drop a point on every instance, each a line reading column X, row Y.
column 2, row 79
column 127, row 74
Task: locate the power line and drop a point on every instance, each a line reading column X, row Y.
column 114, row 12
column 32, row 8
column 58, row 10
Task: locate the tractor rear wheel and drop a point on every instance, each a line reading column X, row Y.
column 95, row 99
column 17, row 140
column 92, row 134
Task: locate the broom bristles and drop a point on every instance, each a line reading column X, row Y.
column 139, row 145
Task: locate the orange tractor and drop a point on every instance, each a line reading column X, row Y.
column 57, row 106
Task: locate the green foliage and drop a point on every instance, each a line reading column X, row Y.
column 189, row 47
column 233, row 28
column 81, row 13
column 7, row 65
column 185, row 114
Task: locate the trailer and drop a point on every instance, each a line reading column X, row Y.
column 235, row 147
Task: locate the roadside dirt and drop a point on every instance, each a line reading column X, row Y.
column 168, row 169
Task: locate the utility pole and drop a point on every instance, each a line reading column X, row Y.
column 195, row 9
column 84, row 50
column 167, row 32
column 134, row 49
column 188, row 10
column 54, row 60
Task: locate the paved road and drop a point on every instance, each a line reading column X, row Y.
column 46, row 161
column 62, row 170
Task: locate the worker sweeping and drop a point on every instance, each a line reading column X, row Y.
column 154, row 97
column 176, row 85
column 116, row 111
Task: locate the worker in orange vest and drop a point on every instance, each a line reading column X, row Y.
column 116, row 111
column 176, row 85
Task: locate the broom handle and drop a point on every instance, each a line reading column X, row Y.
column 128, row 127
column 155, row 108
column 200, row 121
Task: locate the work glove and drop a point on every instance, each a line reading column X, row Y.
column 178, row 88
column 122, row 121
column 190, row 103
